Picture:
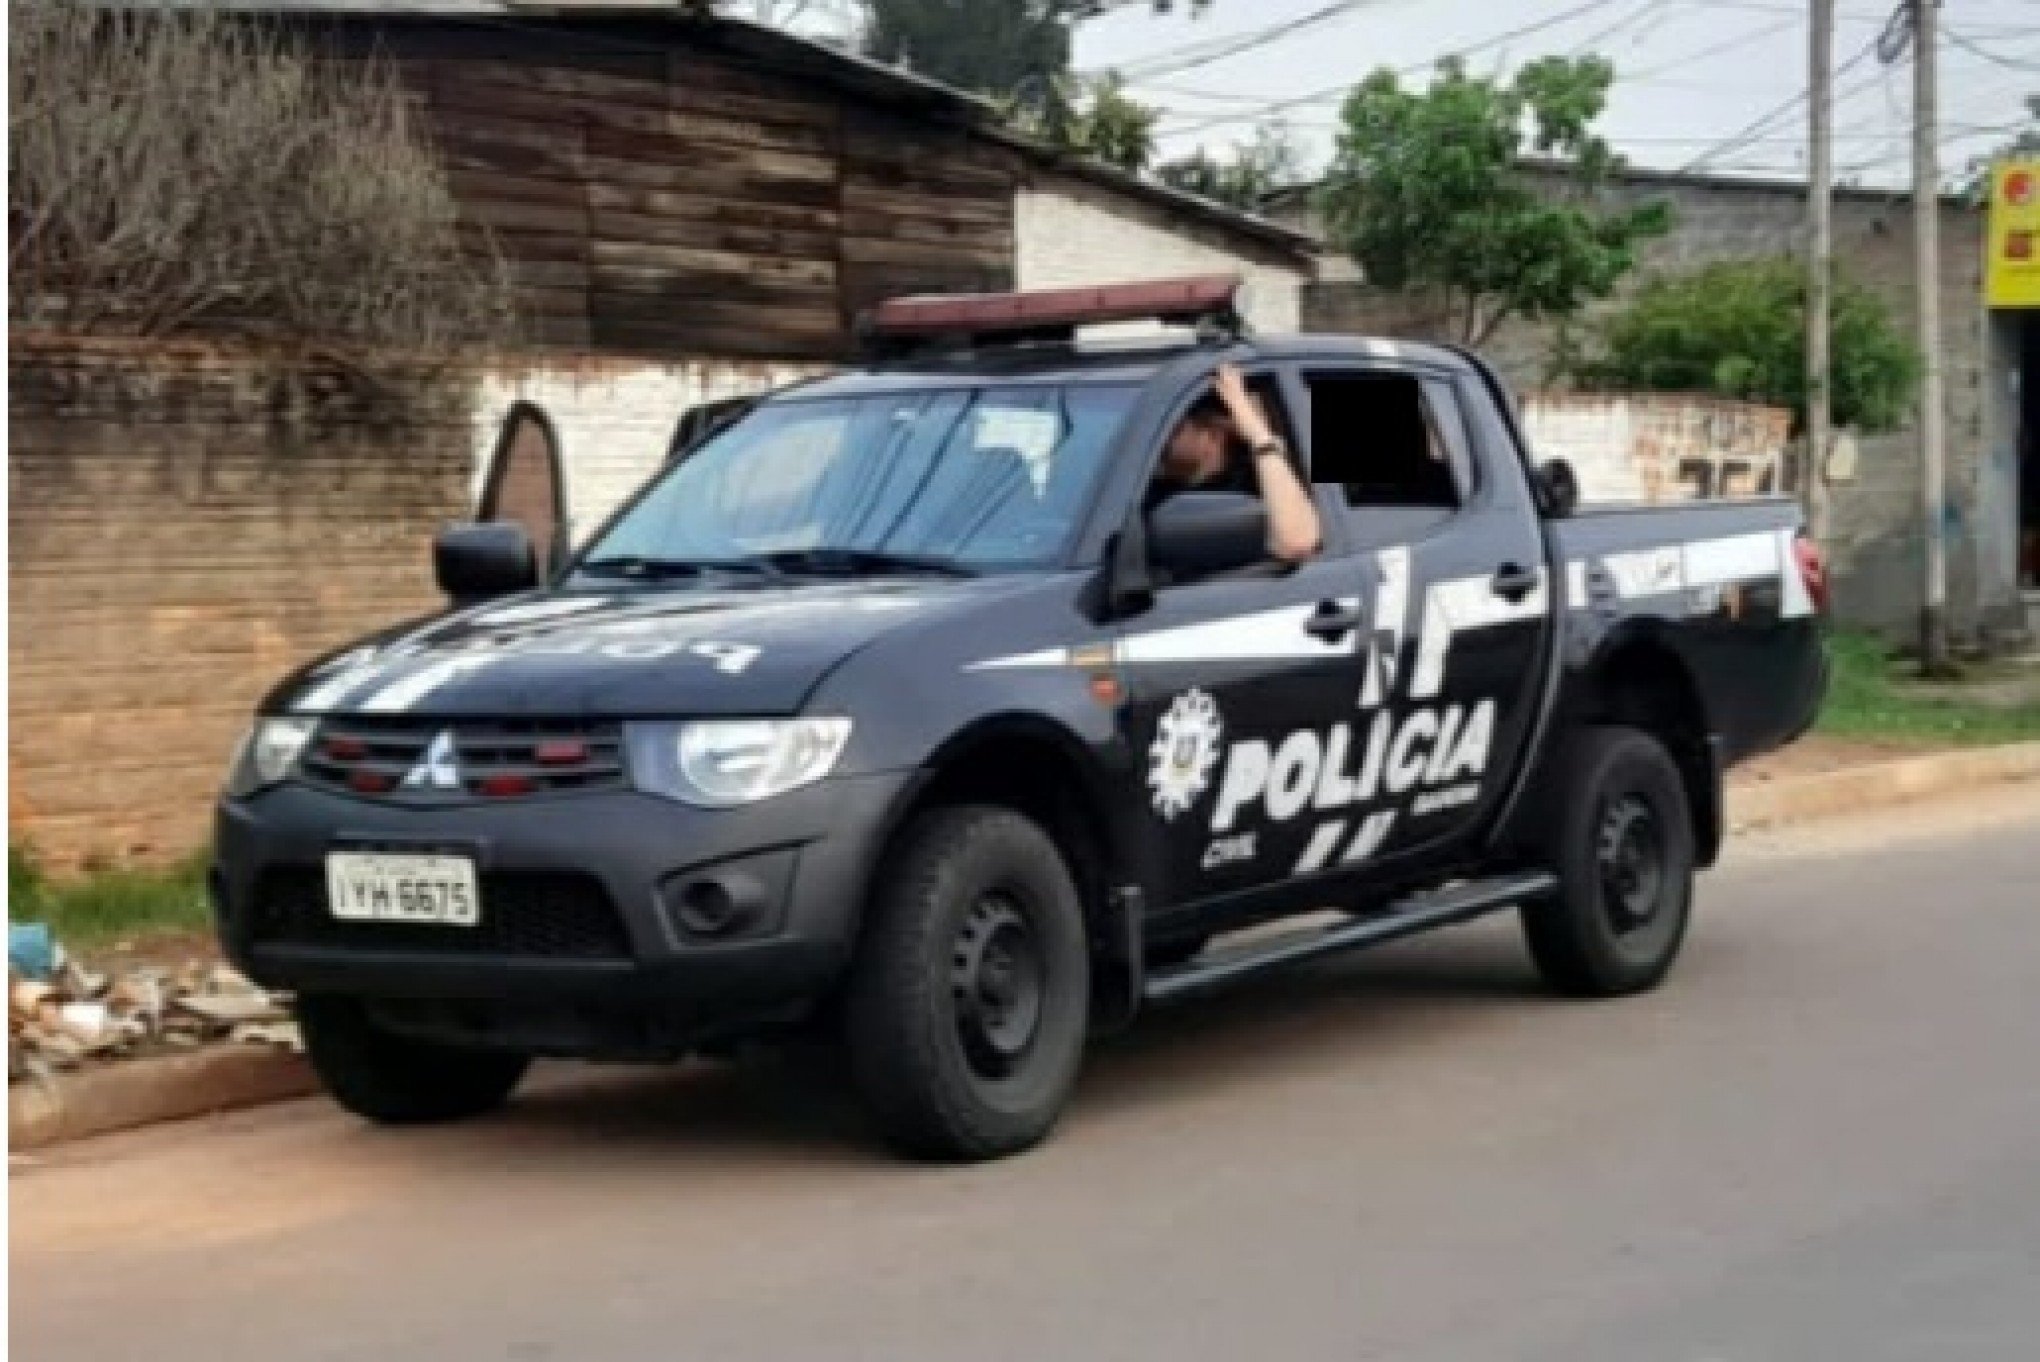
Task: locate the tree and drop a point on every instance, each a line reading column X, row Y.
column 1429, row 191
column 1269, row 161
column 1737, row 329
column 177, row 172
column 1003, row 48
column 1096, row 119
column 1015, row 52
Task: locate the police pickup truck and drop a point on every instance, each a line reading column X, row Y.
column 897, row 709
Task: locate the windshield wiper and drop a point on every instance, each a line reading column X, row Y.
column 848, row 562
column 639, row 567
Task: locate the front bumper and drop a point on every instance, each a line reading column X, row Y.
column 584, row 898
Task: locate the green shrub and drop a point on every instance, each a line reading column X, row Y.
column 1738, row 329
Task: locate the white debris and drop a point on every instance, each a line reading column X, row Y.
column 85, row 1015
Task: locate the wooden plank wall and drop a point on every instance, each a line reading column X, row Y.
column 678, row 202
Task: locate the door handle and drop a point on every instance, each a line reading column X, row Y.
column 1332, row 621
column 1513, row 582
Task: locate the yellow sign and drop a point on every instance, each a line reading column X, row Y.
column 2012, row 271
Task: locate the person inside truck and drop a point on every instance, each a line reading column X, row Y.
column 1226, row 444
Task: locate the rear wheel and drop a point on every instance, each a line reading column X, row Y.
column 1620, row 838
column 968, row 1002
column 398, row 1080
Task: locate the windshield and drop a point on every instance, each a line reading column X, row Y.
column 964, row 479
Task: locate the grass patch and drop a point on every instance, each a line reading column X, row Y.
column 1865, row 701
column 109, row 905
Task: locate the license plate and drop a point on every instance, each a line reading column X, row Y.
column 369, row 886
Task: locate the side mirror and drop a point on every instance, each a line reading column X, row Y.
column 1194, row 534
column 1557, row 489
column 475, row 562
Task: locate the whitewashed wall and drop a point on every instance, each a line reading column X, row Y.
column 1067, row 233
column 1659, row 448
column 614, row 418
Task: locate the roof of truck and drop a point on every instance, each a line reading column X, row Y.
column 1119, row 362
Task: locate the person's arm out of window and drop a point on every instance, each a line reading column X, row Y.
column 1294, row 534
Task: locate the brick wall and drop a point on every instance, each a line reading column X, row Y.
column 185, row 525
column 1875, row 542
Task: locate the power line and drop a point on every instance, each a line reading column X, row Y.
column 1601, row 35
column 1763, row 122
column 1712, row 50
column 1339, row 91
column 1977, row 49
column 1209, row 50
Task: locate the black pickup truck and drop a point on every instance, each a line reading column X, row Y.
column 891, row 709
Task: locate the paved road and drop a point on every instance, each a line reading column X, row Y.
column 1820, row 1140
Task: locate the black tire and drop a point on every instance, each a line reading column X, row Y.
column 1619, row 836
column 399, row 1080
column 969, row 998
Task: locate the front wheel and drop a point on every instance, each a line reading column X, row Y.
column 969, row 998
column 1620, row 838
column 398, row 1080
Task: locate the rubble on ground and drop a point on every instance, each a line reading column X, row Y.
column 78, row 1016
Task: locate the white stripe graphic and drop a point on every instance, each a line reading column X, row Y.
column 1646, row 572
column 334, row 689
column 1269, row 634
column 407, row 691
column 1391, row 618
column 1701, row 563
column 1795, row 602
column 1717, row 562
column 1323, row 842
column 1045, row 657
column 1368, row 840
column 1460, row 604
column 533, row 611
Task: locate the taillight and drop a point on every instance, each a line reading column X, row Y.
column 1812, row 570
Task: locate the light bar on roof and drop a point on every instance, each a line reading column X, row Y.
column 1185, row 300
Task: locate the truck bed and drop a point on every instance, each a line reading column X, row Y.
column 1717, row 580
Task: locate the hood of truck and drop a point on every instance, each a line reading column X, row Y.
column 640, row 652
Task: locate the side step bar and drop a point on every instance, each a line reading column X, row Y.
column 1418, row 913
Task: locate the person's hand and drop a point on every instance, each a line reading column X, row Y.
column 1247, row 416
column 1231, row 385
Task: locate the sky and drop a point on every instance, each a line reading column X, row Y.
column 1690, row 74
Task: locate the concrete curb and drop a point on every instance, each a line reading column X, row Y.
column 227, row 1078
column 1878, row 785
column 142, row 1092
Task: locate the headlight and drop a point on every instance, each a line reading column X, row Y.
column 719, row 763
column 268, row 754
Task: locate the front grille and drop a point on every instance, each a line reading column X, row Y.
column 427, row 760
column 532, row 914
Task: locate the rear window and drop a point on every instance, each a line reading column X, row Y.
column 1382, row 443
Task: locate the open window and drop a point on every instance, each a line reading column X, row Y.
column 1266, row 390
column 1390, row 449
column 524, row 482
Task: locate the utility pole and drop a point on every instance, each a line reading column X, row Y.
column 1927, row 286
column 1819, row 259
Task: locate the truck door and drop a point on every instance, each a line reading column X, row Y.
column 1234, row 684
column 1460, row 615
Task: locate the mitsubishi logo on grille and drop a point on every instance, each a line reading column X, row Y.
column 439, row 768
